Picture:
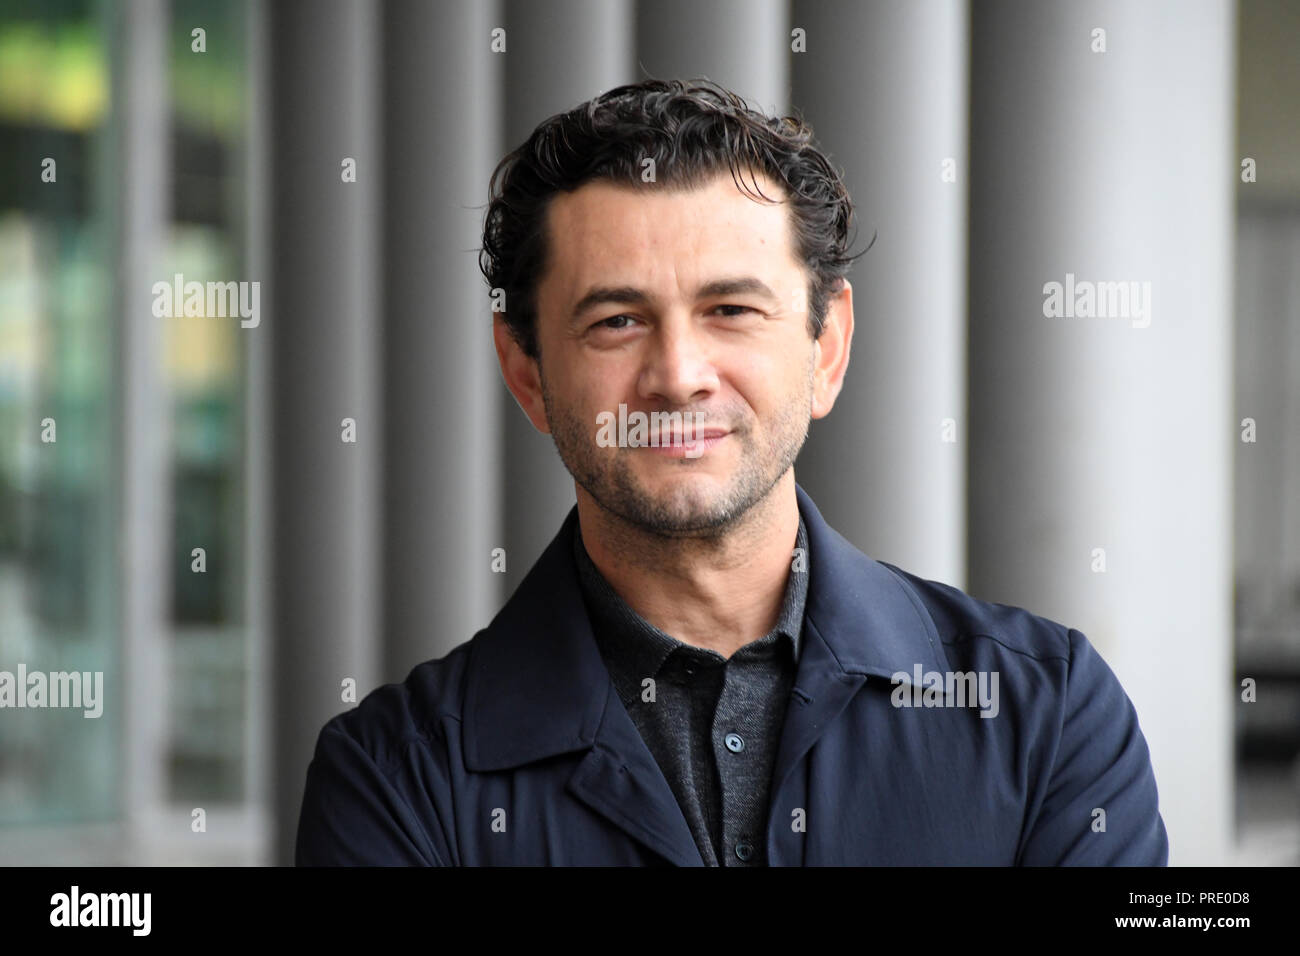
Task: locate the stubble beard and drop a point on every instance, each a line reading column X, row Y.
column 686, row 509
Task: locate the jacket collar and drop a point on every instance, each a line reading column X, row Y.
column 537, row 687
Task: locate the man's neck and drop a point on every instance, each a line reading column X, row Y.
column 719, row 592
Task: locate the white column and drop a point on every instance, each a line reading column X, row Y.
column 442, row 388
column 323, row 329
column 884, row 86
column 1095, row 435
column 742, row 44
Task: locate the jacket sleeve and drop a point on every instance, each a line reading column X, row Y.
column 352, row 815
column 1100, row 807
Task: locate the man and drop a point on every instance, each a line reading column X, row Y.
column 699, row 670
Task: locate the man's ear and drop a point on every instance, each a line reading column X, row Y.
column 831, row 351
column 521, row 374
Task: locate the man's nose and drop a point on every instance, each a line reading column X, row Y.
column 679, row 367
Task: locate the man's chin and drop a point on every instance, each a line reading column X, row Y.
column 679, row 524
column 688, row 509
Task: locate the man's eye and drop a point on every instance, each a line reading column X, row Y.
column 615, row 322
column 738, row 309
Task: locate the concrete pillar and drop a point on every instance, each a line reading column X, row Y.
column 442, row 391
column 884, row 86
column 742, row 44
column 323, row 331
column 1100, row 436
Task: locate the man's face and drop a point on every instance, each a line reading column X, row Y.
column 634, row 308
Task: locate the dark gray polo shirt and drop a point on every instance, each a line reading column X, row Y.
column 715, row 722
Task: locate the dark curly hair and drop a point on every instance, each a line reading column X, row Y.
column 692, row 129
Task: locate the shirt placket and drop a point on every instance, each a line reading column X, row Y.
column 732, row 751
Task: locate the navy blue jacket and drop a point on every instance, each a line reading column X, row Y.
column 515, row 748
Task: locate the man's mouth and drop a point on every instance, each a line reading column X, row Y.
column 688, row 443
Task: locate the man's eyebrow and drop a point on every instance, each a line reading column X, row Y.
column 604, row 294
column 630, row 295
column 741, row 285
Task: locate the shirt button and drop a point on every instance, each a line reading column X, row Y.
column 735, row 743
column 744, row 852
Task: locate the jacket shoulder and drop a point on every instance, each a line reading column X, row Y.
column 959, row 616
column 417, row 709
column 1074, row 726
column 378, row 788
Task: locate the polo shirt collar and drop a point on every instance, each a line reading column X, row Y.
column 643, row 647
column 537, row 686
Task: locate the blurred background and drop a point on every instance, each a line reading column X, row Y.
column 1141, row 484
